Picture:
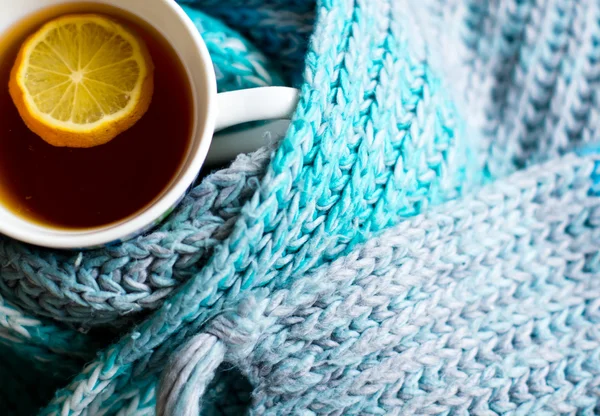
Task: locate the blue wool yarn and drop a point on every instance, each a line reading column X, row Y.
column 480, row 306
column 282, row 29
column 422, row 240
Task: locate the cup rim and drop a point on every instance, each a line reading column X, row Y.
column 31, row 232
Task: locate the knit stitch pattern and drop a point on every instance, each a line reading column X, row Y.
column 487, row 305
column 403, row 251
column 282, row 29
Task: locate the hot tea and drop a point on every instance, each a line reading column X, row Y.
column 84, row 188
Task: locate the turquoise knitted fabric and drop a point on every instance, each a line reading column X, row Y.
column 424, row 239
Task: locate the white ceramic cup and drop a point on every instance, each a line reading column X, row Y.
column 212, row 112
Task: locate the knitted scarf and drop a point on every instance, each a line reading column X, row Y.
column 424, row 239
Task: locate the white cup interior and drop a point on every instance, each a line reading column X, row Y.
column 169, row 20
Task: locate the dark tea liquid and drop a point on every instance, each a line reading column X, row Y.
column 84, row 188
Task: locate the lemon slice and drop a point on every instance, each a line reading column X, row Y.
column 80, row 80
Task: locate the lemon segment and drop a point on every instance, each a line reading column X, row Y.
column 81, row 80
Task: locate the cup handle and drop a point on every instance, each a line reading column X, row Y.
column 242, row 106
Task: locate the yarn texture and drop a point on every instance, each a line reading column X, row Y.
column 423, row 241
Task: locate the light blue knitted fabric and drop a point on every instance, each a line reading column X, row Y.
column 422, row 241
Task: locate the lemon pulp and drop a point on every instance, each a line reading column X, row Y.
column 80, row 80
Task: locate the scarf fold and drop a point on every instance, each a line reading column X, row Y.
column 422, row 241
